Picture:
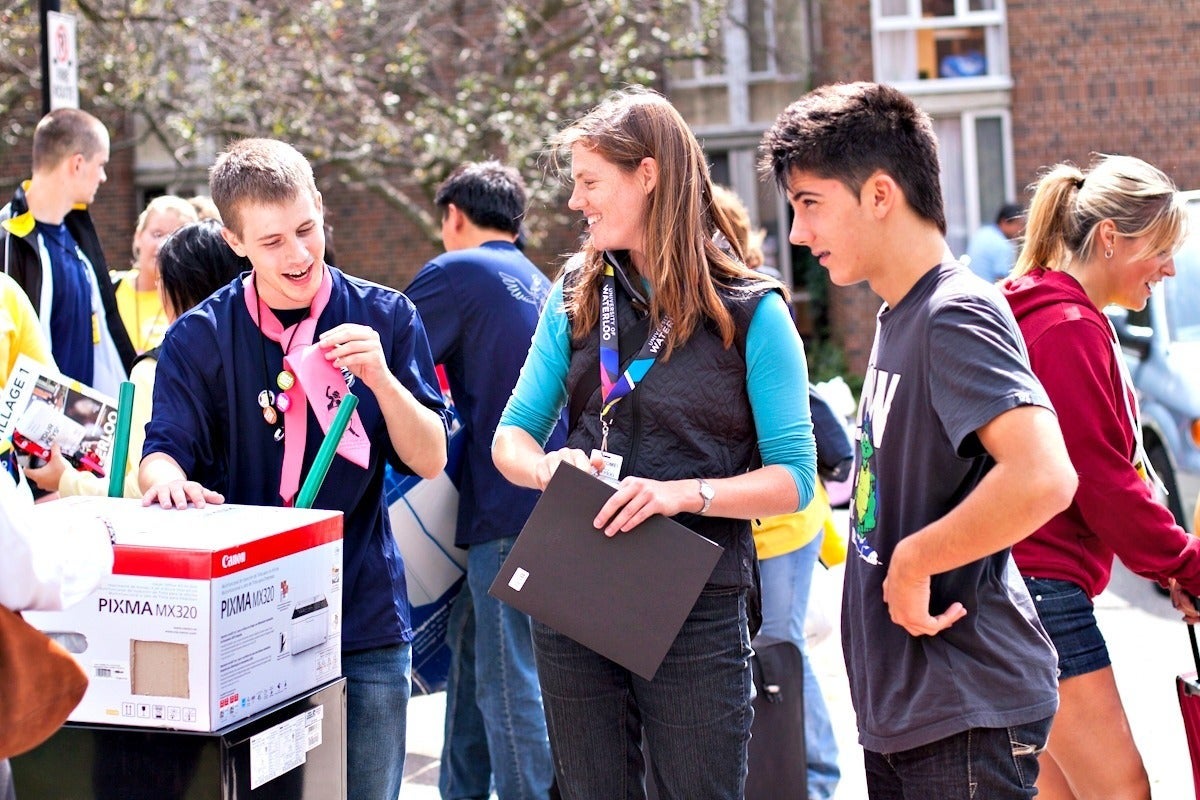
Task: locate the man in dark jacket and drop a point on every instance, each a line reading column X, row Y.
column 51, row 249
column 480, row 302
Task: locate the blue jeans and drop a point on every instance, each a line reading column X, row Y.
column 495, row 726
column 696, row 712
column 377, row 690
column 1069, row 617
column 786, row 581
column 991, row 763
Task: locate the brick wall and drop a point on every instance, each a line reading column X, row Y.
column 1111, row 76
column 844, row 54
column 371, row 238
column 844, row 49
column 374, row 240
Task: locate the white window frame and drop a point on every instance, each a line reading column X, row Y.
column 912, row 21
column 977, row 216
column 967, row 117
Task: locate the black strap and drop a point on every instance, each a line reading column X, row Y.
column 630, row 342
column 151, row 353
column 1195, row 648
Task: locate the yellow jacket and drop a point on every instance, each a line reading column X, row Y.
column 20, row 330
column 775, row 536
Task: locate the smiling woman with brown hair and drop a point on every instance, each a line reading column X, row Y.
column 677, row 424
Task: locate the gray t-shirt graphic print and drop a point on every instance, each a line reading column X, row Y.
column 947, row 360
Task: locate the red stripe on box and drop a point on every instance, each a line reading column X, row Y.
column 196, row 564
column 162, row 562
column 231, row 560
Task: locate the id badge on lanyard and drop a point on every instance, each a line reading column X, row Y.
column 614, row 384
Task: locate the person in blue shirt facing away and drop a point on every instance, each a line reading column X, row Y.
column 234, row 421
column 992, row 251
column 480, row 303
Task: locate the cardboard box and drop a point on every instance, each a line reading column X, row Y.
column 211, row 615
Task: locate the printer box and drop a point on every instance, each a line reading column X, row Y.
column 210, row 616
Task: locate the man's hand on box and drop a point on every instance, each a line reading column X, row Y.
column 179, row 493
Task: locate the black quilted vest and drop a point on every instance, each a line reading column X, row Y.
column 689, row 417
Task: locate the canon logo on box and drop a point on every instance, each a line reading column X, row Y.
column 233, row 560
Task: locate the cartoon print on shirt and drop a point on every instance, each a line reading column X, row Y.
column 879, row 390
column 866, row 498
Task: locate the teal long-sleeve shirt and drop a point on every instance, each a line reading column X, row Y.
column 776, row 383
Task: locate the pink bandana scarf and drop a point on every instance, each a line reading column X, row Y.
column 318, row 382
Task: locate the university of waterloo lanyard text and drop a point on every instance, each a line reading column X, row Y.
column 614, row 384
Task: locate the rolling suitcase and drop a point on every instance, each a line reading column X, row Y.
column 1188, row 688
column 778, row 766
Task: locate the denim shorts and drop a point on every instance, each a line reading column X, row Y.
column 1069, row 617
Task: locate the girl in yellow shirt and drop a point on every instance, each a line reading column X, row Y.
column 137, row 290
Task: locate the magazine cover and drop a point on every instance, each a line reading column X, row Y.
column 42, row 407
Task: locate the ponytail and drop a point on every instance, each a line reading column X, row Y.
column 1050, row 227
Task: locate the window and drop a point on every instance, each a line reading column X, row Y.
column 947, row 44
column 977, row 170
column 760, row 62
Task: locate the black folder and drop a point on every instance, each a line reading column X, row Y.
column 625, row 597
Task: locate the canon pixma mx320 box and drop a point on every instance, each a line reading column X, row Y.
column 210, row 615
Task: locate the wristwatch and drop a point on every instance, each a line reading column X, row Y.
column 707, row 493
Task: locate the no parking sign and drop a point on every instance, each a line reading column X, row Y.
column 64, row 60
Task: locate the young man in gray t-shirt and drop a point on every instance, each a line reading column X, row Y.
column 959, row 456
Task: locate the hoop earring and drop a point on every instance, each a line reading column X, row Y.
column 1108, row 252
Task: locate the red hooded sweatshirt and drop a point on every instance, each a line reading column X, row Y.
column 1071, row 349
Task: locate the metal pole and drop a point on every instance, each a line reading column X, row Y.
column 43, row 7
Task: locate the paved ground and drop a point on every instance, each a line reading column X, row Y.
column 1148, row 644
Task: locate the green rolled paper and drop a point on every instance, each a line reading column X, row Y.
column 120, row 454
column 316, row 475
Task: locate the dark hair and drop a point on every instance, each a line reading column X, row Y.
column 1009, row 211
column 849, row 131
column 489, row 193
column 195, row 261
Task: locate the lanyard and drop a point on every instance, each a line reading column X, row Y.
column 614, row 384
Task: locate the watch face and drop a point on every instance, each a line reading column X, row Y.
column 706, row 491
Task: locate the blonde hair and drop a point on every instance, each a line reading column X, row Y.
column 684, row 265
column 163, row 204
column 205, row 207
column 1069, row 205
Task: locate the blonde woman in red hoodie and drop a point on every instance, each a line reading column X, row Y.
column 1105, row 236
